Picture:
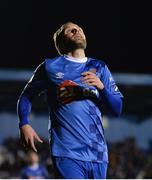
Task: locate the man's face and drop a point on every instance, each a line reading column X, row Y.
column 74, row 36
column 33, row 158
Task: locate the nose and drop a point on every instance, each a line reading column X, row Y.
column 74, row 31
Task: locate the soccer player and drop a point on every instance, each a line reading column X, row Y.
column 77, row 88
column 34, row 170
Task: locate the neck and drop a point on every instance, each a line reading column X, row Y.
column 78, row 53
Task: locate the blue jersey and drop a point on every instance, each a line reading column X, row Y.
column 39, row 172
column 76, row 129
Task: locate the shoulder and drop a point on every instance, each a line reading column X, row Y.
column 41, row 166
column 24, row 170
column 46, row 63
column 96, row 62
column 51, row 60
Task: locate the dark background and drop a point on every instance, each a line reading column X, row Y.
column 118, row 32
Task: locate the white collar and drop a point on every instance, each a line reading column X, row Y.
column 77, row 60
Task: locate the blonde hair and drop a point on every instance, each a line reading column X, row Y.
column 58, row 38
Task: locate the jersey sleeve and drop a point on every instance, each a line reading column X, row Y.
column 110, row 94
column 34, row 87
column 109, row 82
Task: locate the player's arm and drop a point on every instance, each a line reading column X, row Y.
column 108, row 91
column 36, row 85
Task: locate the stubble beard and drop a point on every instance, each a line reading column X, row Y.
column 72, row 45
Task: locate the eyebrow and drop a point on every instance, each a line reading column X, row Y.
column 75, row 25
column 70, row 28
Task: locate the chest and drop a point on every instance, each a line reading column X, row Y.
column 61, row 70
column 58, row 72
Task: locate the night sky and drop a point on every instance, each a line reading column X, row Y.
column 117, row 32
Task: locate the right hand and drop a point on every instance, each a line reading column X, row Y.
column 28, row 137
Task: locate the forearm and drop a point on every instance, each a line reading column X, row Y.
column 34, row 87
column 113, row 102
column 23, row 109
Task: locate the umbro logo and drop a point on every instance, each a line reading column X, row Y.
column 59, row 75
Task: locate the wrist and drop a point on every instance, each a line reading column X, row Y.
column 100, row 86
column 21, row 124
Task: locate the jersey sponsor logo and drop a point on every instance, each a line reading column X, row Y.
column 59, row 75
column 116, row 88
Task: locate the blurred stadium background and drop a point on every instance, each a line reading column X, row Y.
column 117, row 33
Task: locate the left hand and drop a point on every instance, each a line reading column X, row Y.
column 28, row 137
column 90, row 79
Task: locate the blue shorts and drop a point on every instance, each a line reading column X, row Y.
column 66, row 168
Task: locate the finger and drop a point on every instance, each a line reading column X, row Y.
column 87, row 77
column 86, row 73
column 23, row 144
column 89, row 80
column 23, row 140
column 26, row 141
column 38, row 138
column 33, row 145
column 91, row 84
column 90, row 76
